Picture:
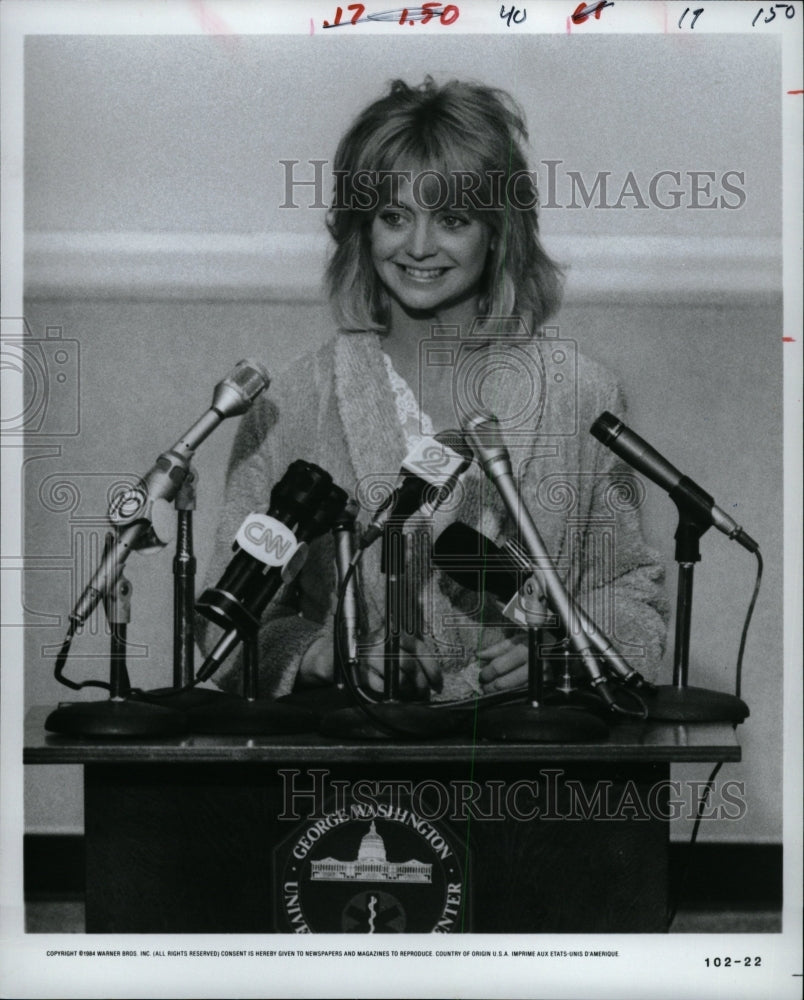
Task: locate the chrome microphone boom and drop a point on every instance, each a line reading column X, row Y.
column 483, row 435
column 604, row 646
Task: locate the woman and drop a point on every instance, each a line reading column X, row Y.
column 439, row 286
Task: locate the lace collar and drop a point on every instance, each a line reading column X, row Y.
column 414, row 422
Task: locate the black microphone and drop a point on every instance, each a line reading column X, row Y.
column 134, row 509
column 270, row 549
column 428, row 472
column 613, row 433
column 476, row 563
column 460, row 551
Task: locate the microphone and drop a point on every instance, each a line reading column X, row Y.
column 134, row 510
column 613, row 433
column 464, row 553
column 429, row 471
column 486, row 440
column 615, row 660
column 343, row 536
column 476, row 563
column 270, row 549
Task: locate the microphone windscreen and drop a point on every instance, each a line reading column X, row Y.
column 234, row 394
column 250, row 377
column 606, row 427
column 456, row 440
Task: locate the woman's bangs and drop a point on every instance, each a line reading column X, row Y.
column 454, row 176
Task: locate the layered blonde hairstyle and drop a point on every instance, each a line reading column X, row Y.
column 457, row 128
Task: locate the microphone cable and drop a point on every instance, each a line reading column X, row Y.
column 746, row 623
column 61, row 662
column 364, row 702
column 360, row 698
column 682, row 879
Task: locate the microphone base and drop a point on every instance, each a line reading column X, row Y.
column 670, row 703
column 404, row 720
column 526, row 723
column 238, row 717
column 115, row 719
column 319, row 700
column 182, row 701
column 582, row 699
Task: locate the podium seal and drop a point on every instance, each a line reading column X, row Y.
column 378, row 869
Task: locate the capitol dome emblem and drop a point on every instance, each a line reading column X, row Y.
column 370, row 870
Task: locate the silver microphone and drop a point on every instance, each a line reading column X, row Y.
column 615, row 660
column 343, row 532
column 485, row 439
column 132, row 510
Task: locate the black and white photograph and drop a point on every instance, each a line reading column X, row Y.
column 401, row 441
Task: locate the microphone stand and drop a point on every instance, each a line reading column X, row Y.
column 183, row 695
column 565, row 693
column 307, row 498
column 184, row 586
column 121, row 715
column 679, row 702
column 331, row 697
column 249, row 714
column 393, row 717
column 534, row 721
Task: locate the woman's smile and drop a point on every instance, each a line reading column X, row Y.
column 425, row 274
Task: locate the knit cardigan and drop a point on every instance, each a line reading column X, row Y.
column 335, row 407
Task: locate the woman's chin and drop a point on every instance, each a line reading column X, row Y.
column 426, row 304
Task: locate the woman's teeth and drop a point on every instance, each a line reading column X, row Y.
column 425, row 272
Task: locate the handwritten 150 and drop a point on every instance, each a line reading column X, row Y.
column 403, row 15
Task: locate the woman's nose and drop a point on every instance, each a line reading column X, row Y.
column 422, row 242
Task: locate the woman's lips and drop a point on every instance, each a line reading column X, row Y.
column 422, row 273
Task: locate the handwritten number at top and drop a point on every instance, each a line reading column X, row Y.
column 518, row 15
column 429, row 11
column 695, row 15
column 423, row 14
column 788, row 8
column 358, row 8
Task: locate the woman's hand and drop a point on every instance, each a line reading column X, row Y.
column 418, row 672
column 316, row 668
column 504, row 666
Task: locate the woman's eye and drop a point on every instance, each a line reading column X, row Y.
column 391, row 218
column 453, row 221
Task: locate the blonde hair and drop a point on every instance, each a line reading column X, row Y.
column 457, row 128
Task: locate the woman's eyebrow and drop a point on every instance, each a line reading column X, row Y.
column 394, row 203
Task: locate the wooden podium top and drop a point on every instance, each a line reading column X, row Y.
column 637, row 742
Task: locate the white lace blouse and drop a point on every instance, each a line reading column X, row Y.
column 415, row 424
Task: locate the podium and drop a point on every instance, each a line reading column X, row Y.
column 230, row 834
